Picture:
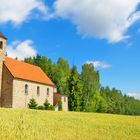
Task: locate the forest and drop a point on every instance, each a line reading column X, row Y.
column 84, row 91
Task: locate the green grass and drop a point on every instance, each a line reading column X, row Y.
column 16, row 124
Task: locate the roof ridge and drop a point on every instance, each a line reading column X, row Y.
column 23, row 62
column 25, row 71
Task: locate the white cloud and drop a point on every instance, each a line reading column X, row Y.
column 99, row 64
column 21, row 50
column 105, row 19
column 17, row 11
column 135, row 95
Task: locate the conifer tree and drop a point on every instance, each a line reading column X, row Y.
column 32, row 104
column 75, row 90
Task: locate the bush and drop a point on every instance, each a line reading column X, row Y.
column 51, row 107
column 59, row 105
column 46, row 105
column 41, row 107
column 32, row 104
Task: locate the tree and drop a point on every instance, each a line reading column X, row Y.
column 119, row 103
column 60, row 74
column 29, row 60
column 32, row 104
column 45, row 64
column 83, row 90
column 75, row 90
column 46, row 105
column 51, row 107
column 103, row 106
column 91, row 88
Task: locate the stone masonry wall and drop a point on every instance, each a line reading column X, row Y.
column 21, row 100
column 2, row 57
column 7, row 85
column 64, row 100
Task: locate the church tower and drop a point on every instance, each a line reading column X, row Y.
column 2, row 55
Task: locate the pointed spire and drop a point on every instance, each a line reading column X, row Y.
column 2, row 36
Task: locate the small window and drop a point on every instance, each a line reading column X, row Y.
column 38, row 91
column 64, row 99
column 1, row 44
column 48, row 90
column 26, row 89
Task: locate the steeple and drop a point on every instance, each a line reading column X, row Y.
column 2, row 36
column 2, row 55
column 2, row 43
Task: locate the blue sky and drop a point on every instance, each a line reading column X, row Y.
column 99, row 32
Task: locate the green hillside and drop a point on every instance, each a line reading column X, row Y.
column 27, row 124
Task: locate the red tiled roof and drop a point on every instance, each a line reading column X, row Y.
column 26, row 71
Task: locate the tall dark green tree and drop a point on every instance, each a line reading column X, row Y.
column 75, row 90
column 91, row 87
column 61, row 73
column 103, row 106
column 29, row 60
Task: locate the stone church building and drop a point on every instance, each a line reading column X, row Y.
column 19, row 82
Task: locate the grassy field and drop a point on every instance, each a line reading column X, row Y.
column 45, row 125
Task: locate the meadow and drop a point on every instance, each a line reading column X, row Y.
column 25, row 124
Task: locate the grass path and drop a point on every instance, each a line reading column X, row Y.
column 16, row 124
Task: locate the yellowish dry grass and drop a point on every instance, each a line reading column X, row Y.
column 27, row 124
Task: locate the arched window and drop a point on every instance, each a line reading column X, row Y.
column 38, row 91
column 26, row 89
column 48, row 90
column 1, row 45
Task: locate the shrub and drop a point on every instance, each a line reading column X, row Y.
column 60, row 105
column 46, row 105
column 51, row 107
column 41, row 107
column 32, row 104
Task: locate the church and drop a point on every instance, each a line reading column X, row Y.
column 20, row 82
